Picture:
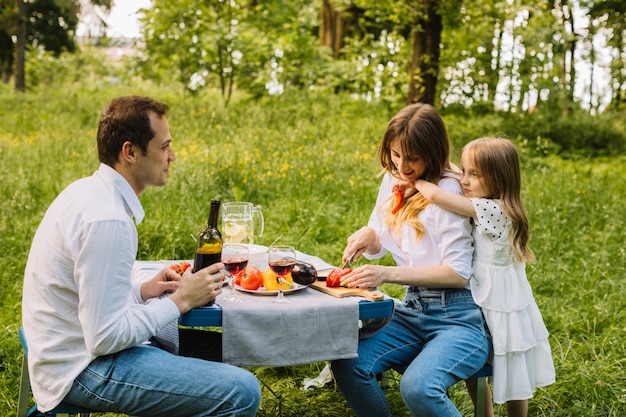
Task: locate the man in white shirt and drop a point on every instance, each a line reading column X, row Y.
column 86, row 322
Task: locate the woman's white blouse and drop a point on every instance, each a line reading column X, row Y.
column 448, row 239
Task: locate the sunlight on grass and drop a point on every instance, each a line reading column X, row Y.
column 310, row 163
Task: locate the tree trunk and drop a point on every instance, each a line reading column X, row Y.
column 572, row 41
column 20, row 78
column 425, row 62
column 331, row 28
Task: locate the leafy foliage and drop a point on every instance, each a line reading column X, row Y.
column 316, row 197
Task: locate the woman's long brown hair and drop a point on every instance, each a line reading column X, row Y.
column 497, row 161
column 422, row 133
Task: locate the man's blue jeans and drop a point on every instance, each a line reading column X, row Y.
column 432, row 343
column 147, row 381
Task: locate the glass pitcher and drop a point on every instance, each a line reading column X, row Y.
column 239, row 221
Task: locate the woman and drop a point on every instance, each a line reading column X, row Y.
column 437, row 336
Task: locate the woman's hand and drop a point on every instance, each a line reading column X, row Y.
column 366, row 276
column 363, row 240
column 166, row 281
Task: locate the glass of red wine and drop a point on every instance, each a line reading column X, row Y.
column 281, row 259
column 235, row 259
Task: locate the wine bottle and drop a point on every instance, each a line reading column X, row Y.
column 209, row 248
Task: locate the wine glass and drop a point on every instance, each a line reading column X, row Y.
column 235, row 259
column 281, row 259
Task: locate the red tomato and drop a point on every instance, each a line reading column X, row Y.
column 251, row 279
column 334, row 277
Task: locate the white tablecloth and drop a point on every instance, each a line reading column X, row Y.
column 313, row 327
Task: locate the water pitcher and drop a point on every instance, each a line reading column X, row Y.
column 241, row 221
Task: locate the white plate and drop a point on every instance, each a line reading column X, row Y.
column 261, row 290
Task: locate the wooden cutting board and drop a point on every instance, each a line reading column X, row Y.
column 348, row 292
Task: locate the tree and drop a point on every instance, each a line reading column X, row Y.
column 610, row 15
column 424, row 67
column 46, row 24
column 331, row 27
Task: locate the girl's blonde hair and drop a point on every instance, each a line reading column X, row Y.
column 422, row 133
column 497, row 161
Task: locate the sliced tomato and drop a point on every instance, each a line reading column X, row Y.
column 180, row 268
column 184, row 266
column 334, row 277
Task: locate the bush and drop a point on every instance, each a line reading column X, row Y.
column 577, row 133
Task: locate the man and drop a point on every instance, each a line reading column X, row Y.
column 86, row 321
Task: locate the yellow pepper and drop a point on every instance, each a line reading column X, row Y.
column 270, row 283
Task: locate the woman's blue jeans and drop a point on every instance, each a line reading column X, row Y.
column 147, row 381
column 433, row 342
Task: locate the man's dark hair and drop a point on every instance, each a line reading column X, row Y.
column 126, row 119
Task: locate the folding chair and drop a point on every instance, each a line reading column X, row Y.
column 61, row 410
column 482, row 377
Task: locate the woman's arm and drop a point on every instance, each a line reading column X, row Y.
column 435, row 276
column 449, row 201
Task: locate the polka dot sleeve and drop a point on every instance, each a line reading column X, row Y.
column 491, row 220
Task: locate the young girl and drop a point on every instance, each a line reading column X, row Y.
column 491, row 184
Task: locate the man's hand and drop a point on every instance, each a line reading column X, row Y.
column 197, row 289
column 166, row 281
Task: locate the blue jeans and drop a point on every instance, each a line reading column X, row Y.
column 147, row 381
column 433, row 343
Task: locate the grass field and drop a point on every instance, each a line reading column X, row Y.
column 310, row 163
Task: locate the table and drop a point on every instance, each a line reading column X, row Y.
column 212, row 316
column 314, row 327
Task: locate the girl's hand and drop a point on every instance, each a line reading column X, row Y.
column 407, row 188
column 366, row 276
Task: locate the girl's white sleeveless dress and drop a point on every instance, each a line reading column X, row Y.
column 522, row 359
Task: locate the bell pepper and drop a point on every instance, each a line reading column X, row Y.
column 398, row 199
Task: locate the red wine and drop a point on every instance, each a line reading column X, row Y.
column 205, row 259
column 282, row 266
column 235, row 265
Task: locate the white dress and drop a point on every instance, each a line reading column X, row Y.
column 522, row 359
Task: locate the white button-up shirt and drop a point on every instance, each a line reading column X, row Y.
column 448, row 239
column 79, row 301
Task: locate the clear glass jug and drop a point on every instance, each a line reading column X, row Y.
column 240, row 221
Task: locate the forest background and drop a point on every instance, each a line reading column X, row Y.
column 317, row 81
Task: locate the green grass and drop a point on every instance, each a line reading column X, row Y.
column 310, row 163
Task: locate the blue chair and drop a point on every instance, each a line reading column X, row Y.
column 482, row 377
column 62, row 410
